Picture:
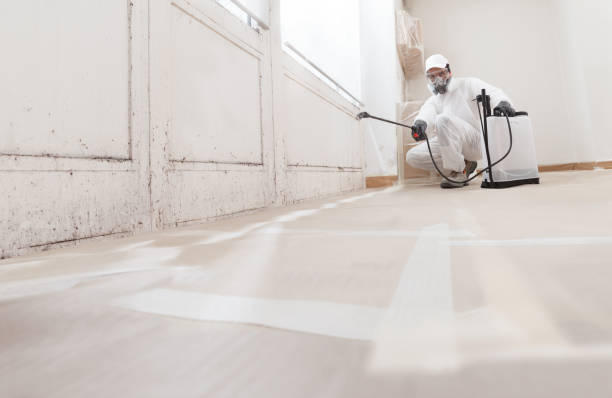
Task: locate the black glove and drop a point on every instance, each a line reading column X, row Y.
column 504, row 108
column 418, row 130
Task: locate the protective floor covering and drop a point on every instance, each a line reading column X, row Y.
column 410, row 291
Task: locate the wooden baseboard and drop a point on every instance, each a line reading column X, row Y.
column 576, row 166
column 380, row 181
column 387, row 181
column 605, row 165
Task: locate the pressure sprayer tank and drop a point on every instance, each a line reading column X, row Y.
column 521, row 166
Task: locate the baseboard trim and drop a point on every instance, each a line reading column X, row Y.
column 380, row 181
column 576, row 166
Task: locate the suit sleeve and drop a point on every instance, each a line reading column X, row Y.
column 428, row 112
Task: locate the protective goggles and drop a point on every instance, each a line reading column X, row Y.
column 432, row 76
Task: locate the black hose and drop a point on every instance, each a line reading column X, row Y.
column 366, row 115
column 483, row 170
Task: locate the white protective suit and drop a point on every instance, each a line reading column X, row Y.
column 453, row 116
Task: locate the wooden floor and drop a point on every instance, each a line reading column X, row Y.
column 409, row 291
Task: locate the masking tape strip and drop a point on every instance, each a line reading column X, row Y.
column 324, row 318
column 562, row 241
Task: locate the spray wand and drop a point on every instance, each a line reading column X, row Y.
column 415, row 134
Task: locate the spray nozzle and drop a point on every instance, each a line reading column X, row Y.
column 363, row 115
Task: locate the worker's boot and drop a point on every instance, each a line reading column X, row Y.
column 461, row 178
column 470, row 167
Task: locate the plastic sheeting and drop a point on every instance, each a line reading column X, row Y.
column 409, row 41
column 407, row 111
column 409, row 44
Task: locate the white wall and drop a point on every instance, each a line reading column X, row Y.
column 135, row 115
column 211, row 114
column 55, row 82
column 545, row 54
column 74, row 121
column 587, row 78
column 321, row 139
column 381, row 84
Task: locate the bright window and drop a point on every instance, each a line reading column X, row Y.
column 326, row 34
column 251, row 12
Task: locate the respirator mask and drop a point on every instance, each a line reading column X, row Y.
column 438, row 81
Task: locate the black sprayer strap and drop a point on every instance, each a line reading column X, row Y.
column 485, row 132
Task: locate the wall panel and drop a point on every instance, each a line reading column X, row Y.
column 318, row 132
column 200, row 195
column 310, row 184
column 75, row 123
column 52, row 207
column 216, row 96
column 323, row 142
column 65, row 78
column 211, row 111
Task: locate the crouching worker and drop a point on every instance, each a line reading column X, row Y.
column 452, row 113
